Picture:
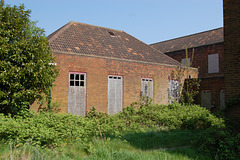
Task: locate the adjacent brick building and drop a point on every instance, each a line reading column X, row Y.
column 232, row 47
column 208, row 57
column 106, row 68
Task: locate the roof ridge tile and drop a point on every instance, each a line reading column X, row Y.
column 96, row 26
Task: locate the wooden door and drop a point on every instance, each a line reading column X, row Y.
column 115, row 91
column 77, row 93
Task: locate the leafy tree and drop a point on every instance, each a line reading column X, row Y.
column 26, row 73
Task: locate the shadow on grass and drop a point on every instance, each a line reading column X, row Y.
column 162, row 139
column 176, row 142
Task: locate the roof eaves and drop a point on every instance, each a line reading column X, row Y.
column 193, row 47
column 121, row 59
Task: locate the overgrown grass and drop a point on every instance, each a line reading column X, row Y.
column 109, row 149
column 117, row 149
column 163, row 139
column 150, row 131
column 12, row 151
column 178, row 144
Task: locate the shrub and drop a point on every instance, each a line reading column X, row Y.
column 233, row 101
column 46, row 129
column 173, row 116
column 221, row 144
column 51, row 130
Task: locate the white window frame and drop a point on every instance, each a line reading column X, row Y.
column 77, row 82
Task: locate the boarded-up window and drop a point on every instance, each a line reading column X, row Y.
column 213, row 63
column 173, row 90
column 147, row 88
column 115, row 91
column 184, row 62
column 206, row 99
column 77, row 93
column 222, row 99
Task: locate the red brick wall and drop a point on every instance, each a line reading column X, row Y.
column 215, row 85
column 232, row 47
column 98, row 69
column 200, row 59
column 214, row 82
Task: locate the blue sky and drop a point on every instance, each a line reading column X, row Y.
column 150, row 21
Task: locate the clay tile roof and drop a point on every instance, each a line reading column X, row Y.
column 194, row 40
column 80, row 38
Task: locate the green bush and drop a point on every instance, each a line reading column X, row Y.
column 46, row 129
column 173, row 116
column 233, row 101
column 221, row 144
column 55, row 130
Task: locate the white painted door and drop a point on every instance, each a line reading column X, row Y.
column 77, row 93
column 115, row 91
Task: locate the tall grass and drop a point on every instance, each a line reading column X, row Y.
column 25, row 152
column 144, row 146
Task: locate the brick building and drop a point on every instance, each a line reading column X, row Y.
column 106, row 68
column 208, row 57
column 232, row 47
